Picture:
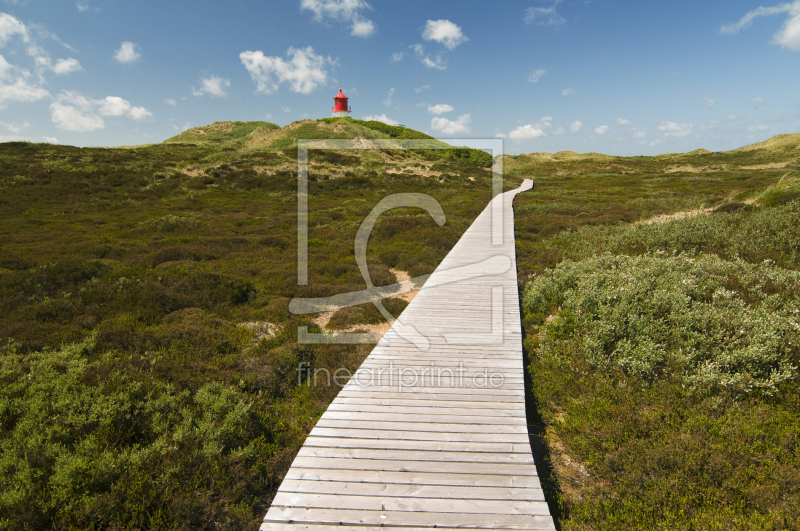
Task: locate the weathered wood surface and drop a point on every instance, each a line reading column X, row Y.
column 431, row 434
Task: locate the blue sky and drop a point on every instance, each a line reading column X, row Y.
column 617, row 77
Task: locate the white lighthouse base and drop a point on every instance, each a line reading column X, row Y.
column 341, row 113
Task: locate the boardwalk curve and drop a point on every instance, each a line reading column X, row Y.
column 431, row 431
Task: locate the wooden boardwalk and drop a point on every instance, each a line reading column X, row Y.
column 431, row 431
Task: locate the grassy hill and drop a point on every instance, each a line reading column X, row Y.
column 148, row 360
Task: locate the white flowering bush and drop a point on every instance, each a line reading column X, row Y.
column 724, row 325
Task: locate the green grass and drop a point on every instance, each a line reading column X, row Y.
column 663, row 357
column 148, row 360
column 137, row 386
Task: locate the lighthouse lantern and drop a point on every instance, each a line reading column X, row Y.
column 340, row 108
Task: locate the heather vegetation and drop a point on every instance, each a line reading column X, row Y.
column 148, row 364
column 662, row 319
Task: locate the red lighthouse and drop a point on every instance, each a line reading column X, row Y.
column 341, row 108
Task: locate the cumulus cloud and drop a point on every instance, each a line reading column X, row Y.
column 397, row 57
column 344, row 11
column 444, row 32
column 420, row 89
column 381, row 118
column 709, row 103
column 82, row 6
column 576, row 126
column 51, row 140
column 568, row 92
column 303, row 71
column 601, row 129
column 500, row 135
column 757, row 128
column 675, row 129
column 388, row 100
column 534, row 76
column 638, row 133
column 544, row 16
column 74, row 112
column 655, row 142
column 62, row 66
column 170, row 101
column 10, row 26
column 212, row 85
column 439, row 108
column 559, row 131
column 789, row 34
column 19, row 90
column 127, row 52
column 527, row 131
column 758, row 102
column 450, row 127
column 623, row 121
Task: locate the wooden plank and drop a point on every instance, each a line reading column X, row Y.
column 403, row 444
column 410, row 490
column 406, row 518
column 413, row 417
column 357, row 454
column 403, row 503
column 390, row 437
column 391, row 465
column 416, row 478
column 424, row 426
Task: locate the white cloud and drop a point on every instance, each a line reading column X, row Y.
column 757, row 128
column 342, row 10
column 731, row 117
column 675, row 129
column 709, row 102
column 547, row 119
column 170, row 101
column 212, row 85
column 789, row 34
column 560, row 131
column 286, row 109
column 21, row 91
column 71, row 118
column 388, row 100
column 544, row 16
column 444, row 32
column 576, row 126
column 655, row 142
column 568, row 92
column 82, row 6
column 623, row 121
column 139, row 113
column 397, row 57
column 419, row 50
column 304, row 71
column 525, row 132
column 710, row 125
column 438, row 63
column 51, row 140
column 127, row 52
column 15, row 128
column 534, row 76
column 439, row 108
column 10, row 26
column 62, row 66
column 362, row 28
column 758, row 102
column 74, row 112
column 381, row 118
column 450, row 127
column 420, row 89
column 638, row 133
column 500, row 135
column 601, row 129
